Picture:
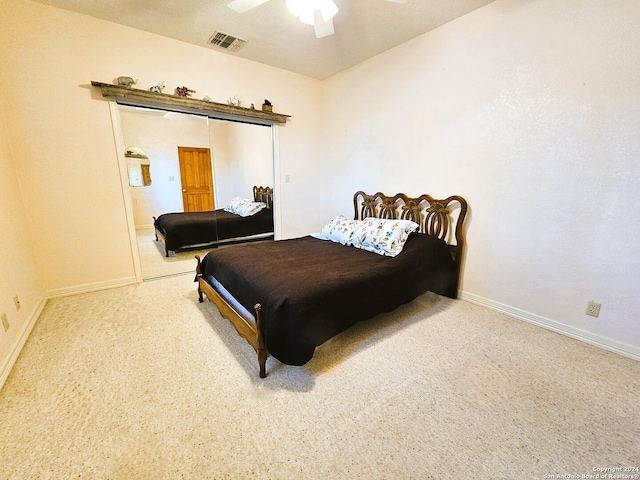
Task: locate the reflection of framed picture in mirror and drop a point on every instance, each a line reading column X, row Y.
column 146, row 175
column 138, row 167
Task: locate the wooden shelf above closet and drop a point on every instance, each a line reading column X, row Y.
column 146, row 98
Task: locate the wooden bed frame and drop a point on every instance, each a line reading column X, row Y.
column 260, row 194
column 439, row 218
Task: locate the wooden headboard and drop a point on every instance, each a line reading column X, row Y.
column 263, row 194
column 439, row 218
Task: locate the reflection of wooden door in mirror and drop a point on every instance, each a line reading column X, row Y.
column 197, row 179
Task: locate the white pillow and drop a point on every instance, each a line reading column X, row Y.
column 339, row 230
column 250, row 208
column 244, row 207
column 235, row 203
column 382, row 236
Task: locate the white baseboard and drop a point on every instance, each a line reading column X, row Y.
column 145, row 227
column 90, row 287
column 606, row 343
column 9, row 361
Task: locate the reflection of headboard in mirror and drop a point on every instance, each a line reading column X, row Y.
column 263, row 194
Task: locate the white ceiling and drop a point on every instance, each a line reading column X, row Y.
column 363, row 28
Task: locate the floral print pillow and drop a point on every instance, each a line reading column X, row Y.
column 244, row 207
column 382, row 236
column 235, row 203
column 339, row 230
column 250, row 208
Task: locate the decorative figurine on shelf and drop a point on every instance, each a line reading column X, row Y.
column 125, row 81
column 235, row 101
column 184, row 91
column 266, row 106
column 253, row 107
column 157, row 88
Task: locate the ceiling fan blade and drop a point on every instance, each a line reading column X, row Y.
column 242, row 6
column 397, row 1
column 322, row 28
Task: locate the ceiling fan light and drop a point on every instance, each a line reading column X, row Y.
column 296, row 7
column 305, row 10
column 308, row 17
column 328, row 9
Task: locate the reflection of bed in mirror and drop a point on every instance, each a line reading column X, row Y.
column 289, row 296
column 197, row 229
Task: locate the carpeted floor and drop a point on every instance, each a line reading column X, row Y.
column 154, row 262
column 143, row 382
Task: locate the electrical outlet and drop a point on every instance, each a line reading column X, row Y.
column 5, row 322
column 593, row 309
column 16, row 300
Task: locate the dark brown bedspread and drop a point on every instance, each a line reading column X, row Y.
column 194, row 228
column 311, row 290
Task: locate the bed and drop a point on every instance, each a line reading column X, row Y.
column 287, row 297
column 198, row 229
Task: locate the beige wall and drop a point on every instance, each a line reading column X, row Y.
column 18, row 270
column 531, row 110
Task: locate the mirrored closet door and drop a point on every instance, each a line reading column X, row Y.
column 159, row 146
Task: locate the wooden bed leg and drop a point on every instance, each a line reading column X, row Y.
column 262, row 361
column 200, row 293
column 261, row 341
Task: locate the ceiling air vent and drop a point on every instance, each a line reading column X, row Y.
column 226, row 41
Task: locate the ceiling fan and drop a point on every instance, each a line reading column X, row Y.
column 318, row 13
